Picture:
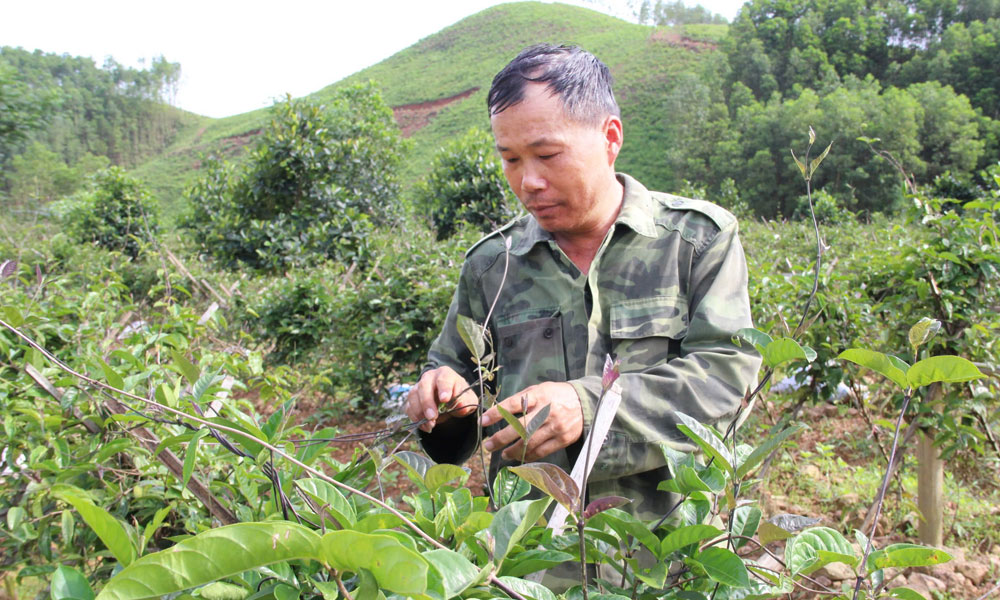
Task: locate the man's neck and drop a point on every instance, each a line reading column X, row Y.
column 582, row 247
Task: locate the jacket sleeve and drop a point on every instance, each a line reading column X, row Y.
column 706, row 380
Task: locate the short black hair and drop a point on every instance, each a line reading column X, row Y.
column 576, row 76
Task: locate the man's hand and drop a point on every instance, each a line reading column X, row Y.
column 439, row 386
column 563, row 426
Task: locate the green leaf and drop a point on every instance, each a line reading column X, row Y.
column 416, row 465
column 802, row 552
column 685, row 536
column 186, row 367
column 112, row 377
column 878, row 362
column 706, row 440
column 758, row 338
column 511, row 522
column 13, row 315
column 457, row 573
column 529, row 589
column 819, row 160
column 552, row 480
column 783, row 350
column 508, row 487
column 472, row 334
column 537, row 421
column 70, row 584
column 191, row 455
column 532, row 561
column 221, row 590
column 800, row 165
column 513, row 422
column 15, row 516
column 108, row 528
column 724, row 567
column 905, row 593
column 395, row 567
column 113, row 447
column 906, row 555
column 746, row 520
column 944, row 369
column 923, row 331
column 210, row 556
column 332, row 501
column 764, row 450
column 155, row 523
column 443, row 474
column 769, row 532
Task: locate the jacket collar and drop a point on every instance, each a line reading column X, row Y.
column 636, row 213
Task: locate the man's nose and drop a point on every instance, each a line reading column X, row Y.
column 532, row 180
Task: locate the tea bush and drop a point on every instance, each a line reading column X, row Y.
column 466, row 184
column 116, row 212
column 315, row 185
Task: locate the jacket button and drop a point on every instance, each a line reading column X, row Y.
column 547, row 334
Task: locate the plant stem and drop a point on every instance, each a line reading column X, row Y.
column 881, row 493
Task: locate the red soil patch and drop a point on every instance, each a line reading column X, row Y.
column 672, row 38
column 416, row 116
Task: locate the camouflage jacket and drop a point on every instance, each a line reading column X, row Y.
column 665, row 293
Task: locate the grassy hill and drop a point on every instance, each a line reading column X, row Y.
column 438, row 86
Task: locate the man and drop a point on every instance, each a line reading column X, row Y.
column 599, row 266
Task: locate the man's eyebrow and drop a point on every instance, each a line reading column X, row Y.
column 539, row 142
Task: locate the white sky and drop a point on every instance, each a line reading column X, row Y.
column 237, row 56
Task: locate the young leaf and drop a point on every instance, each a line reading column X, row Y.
column 108, row 528
column 761, row 452
column 532, row 561
column 331, row 500
column 440, row 475
column 783, row 350
column 416, row 465
column 112, row 377
column 746, row 520
column 768, row 532
column 724, row 567
column 472, row 334
column 602, row 504
column 191, row 455
column 706, row 440
column 878, row 362
column 508, row 487
column 513, row 422
column 945, row 369
column 396, row 568
column 799, row 164
column 186, row 367
column 802, row 552
column 70, row 584
column 923, row 331
column 553, row 481
column 819, row 160
column 457, row 573
column 537, row 421
column 759, row 339
column 906, row 555
column 511, row 522
column 685, row 536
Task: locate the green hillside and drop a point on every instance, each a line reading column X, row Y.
column 460, row 61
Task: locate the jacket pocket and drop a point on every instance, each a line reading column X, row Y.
column 529, row 349
column 647, row 331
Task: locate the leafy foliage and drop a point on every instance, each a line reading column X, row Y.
column 314, row 186
column 116, row 213
column 466, row 184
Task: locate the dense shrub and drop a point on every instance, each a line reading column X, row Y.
column 466, row 184
column 116, row 213
column 314, row 186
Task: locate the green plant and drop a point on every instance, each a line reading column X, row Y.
column 116, row 213
column 466, row 184
column 314, row 186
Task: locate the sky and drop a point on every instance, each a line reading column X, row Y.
column 240, row 56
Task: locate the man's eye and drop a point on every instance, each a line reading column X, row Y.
column 510, row 161
column 547, row 156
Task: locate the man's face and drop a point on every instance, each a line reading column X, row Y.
column 559, row 168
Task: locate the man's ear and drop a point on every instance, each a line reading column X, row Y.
column 613, row 137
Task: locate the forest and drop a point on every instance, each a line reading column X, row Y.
column 206, row 325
